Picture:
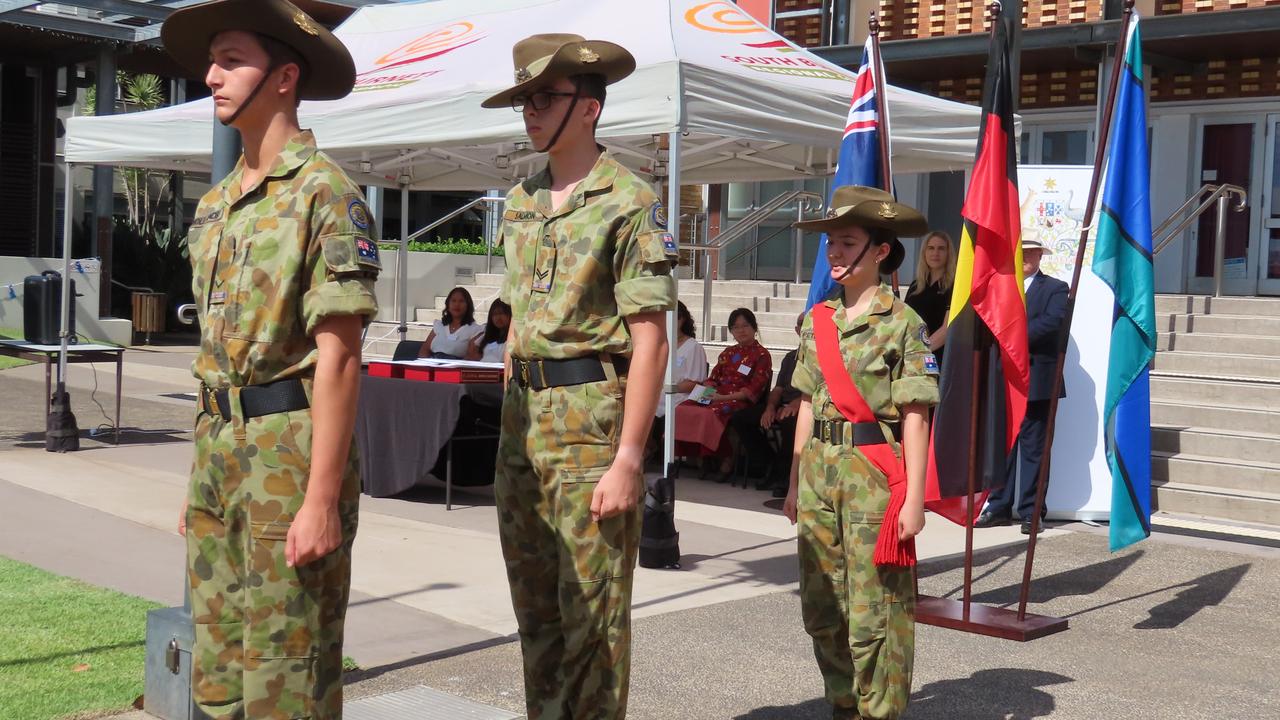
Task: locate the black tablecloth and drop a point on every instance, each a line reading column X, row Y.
column 401, row 426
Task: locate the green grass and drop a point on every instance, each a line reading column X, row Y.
column 8, row 362
column 66, row 648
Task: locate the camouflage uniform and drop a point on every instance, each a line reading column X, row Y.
column 573, row 274
column 861, row 616
column 269, row 265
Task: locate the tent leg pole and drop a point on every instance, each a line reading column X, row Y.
column 669, row 398
column 68, row 195
column 402, row 265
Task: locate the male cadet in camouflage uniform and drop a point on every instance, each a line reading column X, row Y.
column 589, row 281
column 861, row 614
column 284, row 264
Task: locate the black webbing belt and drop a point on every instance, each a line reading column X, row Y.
column 543, row 374
column 256, row 400
column 842, row 432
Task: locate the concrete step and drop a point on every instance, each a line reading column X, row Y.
column 1257, row 395
column 1219, row 324
column 723, row 304
column 749, row 288
column 1236, row 445
column 784, row 338
column 1203, row 305
column 493, row 280
column 1202, row 415
column 1209, row 364
column 1221, row 344
column 1213, row 471
column 1209, row 501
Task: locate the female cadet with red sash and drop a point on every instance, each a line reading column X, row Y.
column 867, row 380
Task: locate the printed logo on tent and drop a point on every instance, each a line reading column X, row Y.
column 769, row 55
column 445, row 39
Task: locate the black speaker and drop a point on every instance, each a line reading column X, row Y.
column 41, row 303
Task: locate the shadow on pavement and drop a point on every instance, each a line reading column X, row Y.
column 811, row 710
column 392, row 597
column 463, row 495
column 995, row 694
column 106, row 438
column 362, row 674
column 1085, row 580
column 78, row 652
column 1204, row 591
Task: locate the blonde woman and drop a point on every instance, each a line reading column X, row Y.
column 930, row 293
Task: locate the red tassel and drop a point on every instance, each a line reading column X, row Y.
column 889, row 550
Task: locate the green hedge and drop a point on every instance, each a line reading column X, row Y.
column 452, row 246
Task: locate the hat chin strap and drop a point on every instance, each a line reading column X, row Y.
column 564, row 122
column 252, row 96
column 849, row 268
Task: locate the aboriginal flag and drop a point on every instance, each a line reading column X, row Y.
column 987, row 338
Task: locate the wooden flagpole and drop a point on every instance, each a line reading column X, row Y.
column 1104, row 131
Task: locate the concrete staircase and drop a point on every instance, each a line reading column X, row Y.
column 1215, row 408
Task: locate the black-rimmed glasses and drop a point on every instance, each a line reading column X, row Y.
column 540, row 100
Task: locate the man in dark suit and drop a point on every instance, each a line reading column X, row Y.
column 1046, row 308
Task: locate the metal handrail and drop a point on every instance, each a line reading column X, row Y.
column 712, row 248
column 757, row 243
column 402, row 256
column 1218, row 191
column 1218, row 197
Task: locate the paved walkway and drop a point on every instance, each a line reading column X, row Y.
column 722, row 635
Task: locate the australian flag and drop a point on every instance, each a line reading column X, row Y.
column 859, row 160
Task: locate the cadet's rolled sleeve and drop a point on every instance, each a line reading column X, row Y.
column 642, row 265
column 805, row 376
column 343, row 264
column 917, row 382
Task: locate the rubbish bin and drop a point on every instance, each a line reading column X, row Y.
column 148, row 313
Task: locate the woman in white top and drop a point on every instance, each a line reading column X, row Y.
column 490, row 346
column 451, row 336
column 691, row 359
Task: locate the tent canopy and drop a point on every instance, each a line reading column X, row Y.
column 750, row 104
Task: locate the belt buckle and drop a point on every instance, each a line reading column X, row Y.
column 524, row 373
column 824, row 431
column 211, row 397
column 542, row 372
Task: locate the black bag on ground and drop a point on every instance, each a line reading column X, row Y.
column 61, row 434
column 659, row 540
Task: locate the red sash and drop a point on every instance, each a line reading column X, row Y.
column 844, row 393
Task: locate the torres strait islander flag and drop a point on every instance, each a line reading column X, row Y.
column 859, row 159
column 988, row 316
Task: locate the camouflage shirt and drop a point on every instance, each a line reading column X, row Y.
column 886, row 352
column 269, row 264
column 575, row 272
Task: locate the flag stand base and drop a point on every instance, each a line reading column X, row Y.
column 985, row 620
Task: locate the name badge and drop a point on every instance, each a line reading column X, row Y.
column 217, row 297
column 931, row 364
column 744, row 369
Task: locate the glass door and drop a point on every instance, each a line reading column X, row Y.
column 1269, row 201
column 1228, row 150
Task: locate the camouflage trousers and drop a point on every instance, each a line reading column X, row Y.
column 570, row 576
column 268, row 637
column 861, row 616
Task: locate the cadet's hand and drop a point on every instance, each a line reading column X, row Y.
column 789, row 505
column 619, row 490
column 766, row 419
column 791, row 409
column 182, row 519
column 910, row 522
column 315, row 532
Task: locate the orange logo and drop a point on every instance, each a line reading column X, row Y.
column 722, row 17
column 434, row 44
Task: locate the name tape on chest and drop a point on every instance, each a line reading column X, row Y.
column 521, row 215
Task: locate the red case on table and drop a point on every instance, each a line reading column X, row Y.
column 387, row 370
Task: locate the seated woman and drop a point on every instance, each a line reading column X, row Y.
column 490, row 345
column 452, row 334
column 741, row 376
column 691, row 359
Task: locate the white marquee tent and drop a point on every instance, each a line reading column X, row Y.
column 750, row 105
column 716, row 97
